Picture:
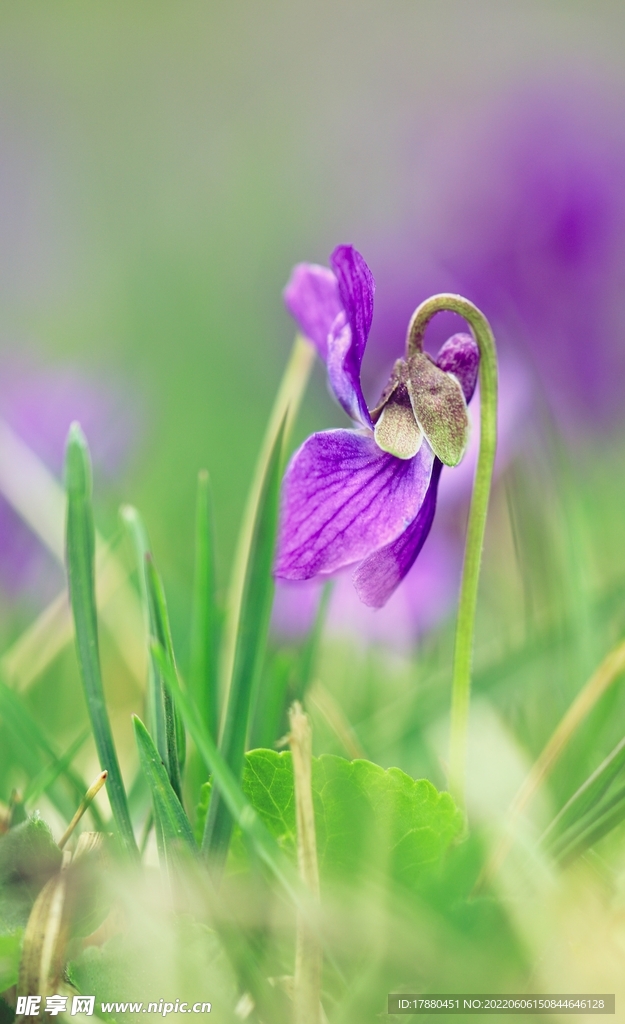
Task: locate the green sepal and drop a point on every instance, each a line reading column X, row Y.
column 439, row 407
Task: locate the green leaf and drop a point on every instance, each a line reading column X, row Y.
column 173, row 826
column 28, row 858
column 10, row 954
column 365, row 816
column 250, row 649
column 158, row 958
column 80, row 572
column 204, row 617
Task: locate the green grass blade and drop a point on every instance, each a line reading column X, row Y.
column 80, row 550
column 30, row 744
column 204, row 619
column 160, row 708
column 162, row 633
column 173, row 826
column 46, row 779
column 250, row 649
column 588, row 795
column 595, row 824
column 156, row 710
column 310, row 650
column 240, row 809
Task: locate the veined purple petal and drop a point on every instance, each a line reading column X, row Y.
column 461, row 356
column 312, row 298
column 342, row 499
column 348, row 336
column 379, row 575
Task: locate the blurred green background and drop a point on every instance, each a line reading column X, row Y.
column 163, row 166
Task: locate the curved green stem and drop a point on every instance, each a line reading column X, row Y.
column 465, row 626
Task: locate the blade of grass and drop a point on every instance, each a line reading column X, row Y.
column 204, row 617
column 610, row 669
column 588, row 795
column 310, row 650
column 162, row 633
column 156, row 709
column 156, row 621
column 592, row 827
column 42, row 782
column 242, row 812
column 38, row 498
column 80, row 572
column 250, row 650
column 31, row 740
column 285, row 408
column 175, row 828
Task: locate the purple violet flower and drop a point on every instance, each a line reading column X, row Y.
column 367, row 497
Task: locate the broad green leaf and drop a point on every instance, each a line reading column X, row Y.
column 80, row 548
column 365, row 817
column 250, row 649
column 10, row 954
column 172, row 823
column 28, row 858
column 204, row 617
column 159, row 958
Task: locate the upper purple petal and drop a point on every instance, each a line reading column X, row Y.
column 312, row 298
column 379, row 575
column 461, row 356
column 348, row 336
column 342, row 499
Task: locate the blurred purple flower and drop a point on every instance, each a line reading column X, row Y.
column 368, row 496
column 38, row 404
column 526, row 216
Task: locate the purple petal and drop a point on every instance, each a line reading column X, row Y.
column 380, row 574
column 461, row 356
column 312, row 298
column 342, row 499
column 348, row 337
